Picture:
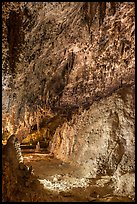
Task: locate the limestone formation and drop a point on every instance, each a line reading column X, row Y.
column 68, row 78
column 37, row 147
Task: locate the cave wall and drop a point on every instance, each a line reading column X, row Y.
column 101, row 139
column 72, row 71
column 65, row 59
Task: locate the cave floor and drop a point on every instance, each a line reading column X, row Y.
column 64, row 182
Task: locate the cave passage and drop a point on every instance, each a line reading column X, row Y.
column 65, row 181
column 68, row 102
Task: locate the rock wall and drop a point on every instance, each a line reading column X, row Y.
column 15, row 174
column 109, row 121
column 101, row 139
column 77, row 67
column 65, row 64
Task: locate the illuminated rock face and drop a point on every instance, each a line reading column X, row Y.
column 76, row 70
column 101, row 138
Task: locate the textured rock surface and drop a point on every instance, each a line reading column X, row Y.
column 101, row 139
column 15, row 174
column 69, row 76
column 59, row 64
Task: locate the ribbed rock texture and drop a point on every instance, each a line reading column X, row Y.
column 69, row 68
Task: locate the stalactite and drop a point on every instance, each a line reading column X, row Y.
column 37, row 120
column 92, row 8
column 13, row 120
column 113, row 7
column 102, row 12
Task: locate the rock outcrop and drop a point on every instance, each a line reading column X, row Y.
column 15, row 174
column 69, row 68
column 101, row 139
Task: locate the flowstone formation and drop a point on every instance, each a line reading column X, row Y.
column 68, row 80
column 102, row 140
column 15, row 174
